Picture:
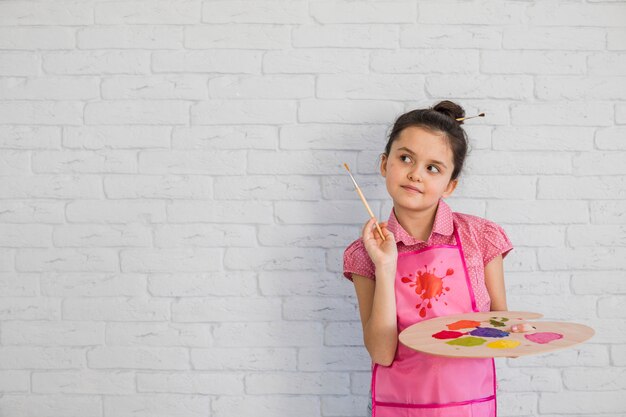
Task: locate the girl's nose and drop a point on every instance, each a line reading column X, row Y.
column 414, row 176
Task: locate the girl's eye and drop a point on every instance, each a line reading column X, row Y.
column 405, row 156
column 433, row 166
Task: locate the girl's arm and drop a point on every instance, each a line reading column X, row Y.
column 377, row 307
column 494, row 280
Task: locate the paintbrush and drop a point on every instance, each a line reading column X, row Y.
column 458, row 119
column 369, row 210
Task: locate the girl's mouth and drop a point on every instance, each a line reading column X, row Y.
column 411, row 189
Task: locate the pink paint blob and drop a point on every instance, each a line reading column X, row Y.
column 543, row 337
column 445, row 334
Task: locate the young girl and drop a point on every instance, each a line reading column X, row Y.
column 433, row 262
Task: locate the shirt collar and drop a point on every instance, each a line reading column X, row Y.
column 442, row 225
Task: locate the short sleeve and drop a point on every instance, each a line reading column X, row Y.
column 357, row 261
column 494, row 242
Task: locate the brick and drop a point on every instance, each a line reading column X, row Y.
column 608, row 212
column 91, row 235
column 244, row 359
column 383, row 87
column 363, row 12
column 31, row 308
column 116, row 137
column 581, row 188
column 41, row 112
column 46, row 333
column 344, row 333
column 187, row 87
column 416, row 61
column 573, row 114
column 612, row 307
column 30, row 357
column 493, row 86
column 554, row 38
column 30, row 137
column 615, row 39
column 580, row 88
column 166, row 260
column 306, row 236
column 611, row 138
column 537, row 282
column 533, row 62
column 220, row 212
column 216, row 112
column 232, row 36
column 345, row 111
column 66, row 260
column 309, row 163
column 37, row 38
column 512, row 163
column 529, row 379
column 304, row 283
column 204, row 235
column 275, row 334
column 27, row 211
column 270, row 259
column 81, row 284
column 598, row 282
column 225, row 137
column 137, row 112
column 595, row 258
column 482, row 12
column 108, row 357
column 245, row 187
column 111, row 211
column 116, row 309
column 19, row 64
column 84, row 382
column 582, row 402
column 73, row 162
column 159, row 334
column 14, row 382
column 147, row 12
column 316, row 383
column 217, row 61
column 453, row 37
column 157, row 186
column 325, row 212
column 543, row 138
column 595, row 235
column 262, row 87
column 227, row 383
column 307, row 405
column 538, row 212
column 216, row 163
column 316, row 60
column 332, row 136
column 277, row 12
column 576, row 14
column 14, row 163
column 150, row 405
column 68, row 13
column 345, row 36
column 23, row 405
column 19, row 285
column 231, row 283
column 96, row 62
column 606, row 63
column 503, row 186
column 333, row 359
column 130, row 37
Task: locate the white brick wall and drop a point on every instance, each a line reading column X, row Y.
column 173, row 209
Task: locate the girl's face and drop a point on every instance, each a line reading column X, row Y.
column 418, row 169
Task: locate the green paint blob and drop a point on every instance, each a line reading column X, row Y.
column 467, row 341
column 496, row 323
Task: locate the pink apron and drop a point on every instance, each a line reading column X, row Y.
column 433, row 282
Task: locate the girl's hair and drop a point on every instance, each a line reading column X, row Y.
column 439, row 118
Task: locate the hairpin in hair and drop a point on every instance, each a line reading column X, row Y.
column 465, row 118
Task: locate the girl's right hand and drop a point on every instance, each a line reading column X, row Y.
column 384, row 254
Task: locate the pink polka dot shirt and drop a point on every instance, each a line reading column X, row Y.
column 482, row 241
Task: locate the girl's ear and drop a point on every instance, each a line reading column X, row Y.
column 383, row 165
column 450, row 188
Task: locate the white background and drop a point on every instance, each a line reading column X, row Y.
column 173, row 207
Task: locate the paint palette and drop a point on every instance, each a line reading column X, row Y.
column 488, row 335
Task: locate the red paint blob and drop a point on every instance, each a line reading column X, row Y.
column 446, row 334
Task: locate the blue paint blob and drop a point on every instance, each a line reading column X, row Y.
column 488, row 332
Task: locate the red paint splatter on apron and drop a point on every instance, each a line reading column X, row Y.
column 428, row 286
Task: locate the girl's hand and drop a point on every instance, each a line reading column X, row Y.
column 384, row 254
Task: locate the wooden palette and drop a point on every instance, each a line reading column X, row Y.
column 488, row 335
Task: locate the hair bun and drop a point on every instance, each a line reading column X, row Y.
column 450, row 109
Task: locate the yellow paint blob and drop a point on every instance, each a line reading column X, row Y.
column 503, row 344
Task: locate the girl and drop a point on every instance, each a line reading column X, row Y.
column 433, row 262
